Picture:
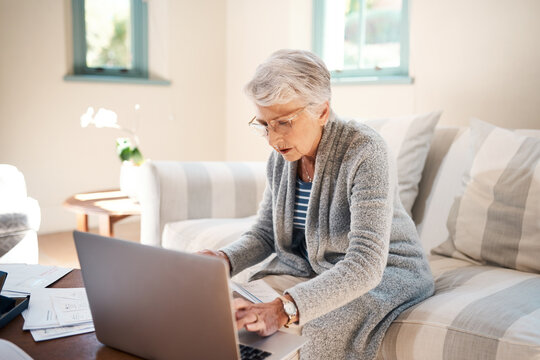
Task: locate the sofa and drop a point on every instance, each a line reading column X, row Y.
column 20, row 219
column 483, row 307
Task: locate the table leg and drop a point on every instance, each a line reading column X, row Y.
column 82, row 222
column 105, row 226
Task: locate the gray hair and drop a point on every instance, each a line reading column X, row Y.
column 288, row 75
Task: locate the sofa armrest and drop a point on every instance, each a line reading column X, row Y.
column 174, row 191
column 12, row 184
column 20, row 219
column 18, row 216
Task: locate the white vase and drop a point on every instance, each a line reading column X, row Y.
column 130, row 179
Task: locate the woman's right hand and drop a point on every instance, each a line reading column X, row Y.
column 218, row 254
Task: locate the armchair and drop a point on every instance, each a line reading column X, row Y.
column 20, row 218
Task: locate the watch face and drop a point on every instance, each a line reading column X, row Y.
column 290, row 309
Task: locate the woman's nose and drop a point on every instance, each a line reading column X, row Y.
column 274, row 140
column 273, row 137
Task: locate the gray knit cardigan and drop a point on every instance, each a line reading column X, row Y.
column 366, row 264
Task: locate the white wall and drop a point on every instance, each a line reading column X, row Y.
column 39, row 111
column 256, row 28
column 468, row 58
column 478, row 58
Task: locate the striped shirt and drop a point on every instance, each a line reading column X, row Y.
column 301, row 200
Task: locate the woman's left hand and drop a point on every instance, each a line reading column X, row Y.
column 263, row 318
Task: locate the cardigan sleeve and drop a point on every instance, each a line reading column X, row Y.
column 256, row 244
column 371, row 195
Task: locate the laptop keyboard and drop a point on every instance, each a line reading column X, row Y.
column 251, row 353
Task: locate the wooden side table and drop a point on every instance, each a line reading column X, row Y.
column 109, row 205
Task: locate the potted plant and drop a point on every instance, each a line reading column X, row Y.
column 127, row 151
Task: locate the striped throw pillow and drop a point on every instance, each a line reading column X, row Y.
column 496, row 220
column 408, row 139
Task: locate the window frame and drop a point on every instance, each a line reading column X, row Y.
column 398, row 74
column 139, row 43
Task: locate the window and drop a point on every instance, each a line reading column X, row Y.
column 110, row 38
column 362, row 38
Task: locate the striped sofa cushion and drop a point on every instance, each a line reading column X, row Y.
column 408, row 138
column 477, row 312
column 495, row 220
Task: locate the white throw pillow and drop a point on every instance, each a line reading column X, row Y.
column 496, row 219
column 408, row 139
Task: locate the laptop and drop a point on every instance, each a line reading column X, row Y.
column 164, row 304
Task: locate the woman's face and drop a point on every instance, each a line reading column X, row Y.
column 305, row 131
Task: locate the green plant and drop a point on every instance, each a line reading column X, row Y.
column 108, row 119
column 128, row 152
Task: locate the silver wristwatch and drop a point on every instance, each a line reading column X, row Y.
column 290, row 309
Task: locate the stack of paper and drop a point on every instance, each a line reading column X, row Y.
column 54, row 313
column 255, row 291
column 23, row 278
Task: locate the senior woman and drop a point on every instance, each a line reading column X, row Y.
column 348, row 257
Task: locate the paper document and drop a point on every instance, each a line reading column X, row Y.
column 52, row 308
column 23, row 278
column 71, row 311
column 57, row 332
column 255, row 291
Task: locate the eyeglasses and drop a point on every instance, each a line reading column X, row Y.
column 279, row 126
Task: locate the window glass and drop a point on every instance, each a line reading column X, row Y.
column 362, row 37
column 108, row 33
column 372, row 34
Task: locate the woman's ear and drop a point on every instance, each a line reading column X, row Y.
column 324, row 113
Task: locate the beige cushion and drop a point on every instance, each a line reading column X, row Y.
column 408, row 139
column 195, row 235
column 495, row 220
column 199, row 234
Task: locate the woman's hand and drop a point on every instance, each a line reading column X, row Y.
column 218, row 254
column 264, row 318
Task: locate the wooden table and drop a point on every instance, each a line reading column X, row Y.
column 80, row 347
column 109, row 205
